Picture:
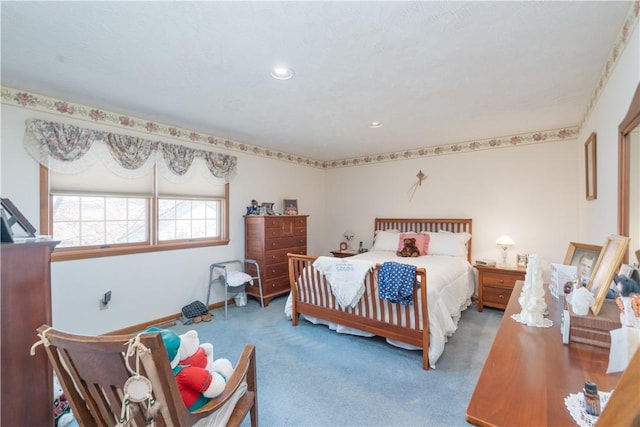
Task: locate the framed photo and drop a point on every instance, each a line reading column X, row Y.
column 290, row 207
column 626, row 270
column 343, row 246
column 583, row 257
column 590, row 166
column 606, row 267
column 522, row 260
column 14, row 224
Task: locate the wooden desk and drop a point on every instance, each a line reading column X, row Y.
column 529, row 372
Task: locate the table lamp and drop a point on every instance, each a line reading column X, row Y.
column 504, row 242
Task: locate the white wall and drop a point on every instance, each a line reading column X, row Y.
column 598, row 218
column 150, row 285
column 528, row 192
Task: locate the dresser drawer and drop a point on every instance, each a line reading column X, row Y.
column 278, row 285
column 280, row 255
column 285, row 242
column 500, row 279
column 276, row 270
column 496, row 296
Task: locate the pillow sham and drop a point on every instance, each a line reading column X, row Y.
column 446, row 243
column 422, row 241
column 386, row 240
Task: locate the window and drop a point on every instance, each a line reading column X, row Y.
column 188, row 219
column 93, row 224
column 119, row 194
column 80, row 220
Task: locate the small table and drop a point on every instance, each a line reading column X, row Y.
column 343, row 254
column 496, row 283
column 529, row 372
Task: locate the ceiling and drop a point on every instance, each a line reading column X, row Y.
column 432, row 72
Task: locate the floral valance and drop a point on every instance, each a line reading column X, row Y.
column 68, row 148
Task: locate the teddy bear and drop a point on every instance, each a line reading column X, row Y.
column 409, row 249
column 200, row 378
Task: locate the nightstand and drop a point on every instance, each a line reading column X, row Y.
column 496, row 283
column 343, row 254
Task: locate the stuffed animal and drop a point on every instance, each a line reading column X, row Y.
column 200, row 378
column 62, row 414
column 409, row 249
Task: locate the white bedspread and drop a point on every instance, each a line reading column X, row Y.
column 451, row 283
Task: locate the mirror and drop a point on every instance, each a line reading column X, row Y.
column 628, row 177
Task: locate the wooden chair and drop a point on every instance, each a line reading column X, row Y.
column 93, row 371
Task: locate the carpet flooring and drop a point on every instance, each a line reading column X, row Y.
column 311, row 376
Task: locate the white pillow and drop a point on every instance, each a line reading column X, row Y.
column 386, row 240
column 445, row 243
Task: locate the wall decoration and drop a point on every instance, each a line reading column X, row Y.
column 421, row 177
column 290, row 207
column 607, row 265
column 590, row 164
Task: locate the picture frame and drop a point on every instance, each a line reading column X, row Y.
column 343, row 246
column 626, row 270
column 523, row 259
column 590, row 164
column 14, row 224
column 606, row 267
column 583, row 256
column 290, row 207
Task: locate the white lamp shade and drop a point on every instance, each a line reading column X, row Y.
column 505, row 240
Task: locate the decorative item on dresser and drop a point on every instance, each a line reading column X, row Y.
column 26, row 381
column 495, row 284
column 268, row 239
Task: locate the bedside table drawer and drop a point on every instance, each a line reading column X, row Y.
column 500, row 279
column 495, row 296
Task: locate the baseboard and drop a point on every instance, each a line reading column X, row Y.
column 161, row 322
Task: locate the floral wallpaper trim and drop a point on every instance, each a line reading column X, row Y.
column 464, row 147
column 629, row 25
column 32, row 101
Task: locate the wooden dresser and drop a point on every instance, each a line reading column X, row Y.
column 529, row 372
column 268, row 239
column 27, row 381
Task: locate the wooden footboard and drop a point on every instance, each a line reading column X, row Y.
column 311, row 295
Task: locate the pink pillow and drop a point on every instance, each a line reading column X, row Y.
column 422, row 241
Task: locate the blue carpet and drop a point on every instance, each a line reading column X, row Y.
column 311, row 376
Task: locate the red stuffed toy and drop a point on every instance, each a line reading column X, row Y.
column 199, row 378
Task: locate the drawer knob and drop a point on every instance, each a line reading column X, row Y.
column 501, row 281
column 501, row 296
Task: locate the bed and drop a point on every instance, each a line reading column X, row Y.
column 432, row 316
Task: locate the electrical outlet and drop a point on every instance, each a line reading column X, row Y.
column 104, row 301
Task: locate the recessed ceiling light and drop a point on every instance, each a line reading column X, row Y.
column 375, row 125
column 281, row 73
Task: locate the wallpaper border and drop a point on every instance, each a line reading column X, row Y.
column 43, row 103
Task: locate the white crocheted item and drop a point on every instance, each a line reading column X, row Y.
column 575, row 405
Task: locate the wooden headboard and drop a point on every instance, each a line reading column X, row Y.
column 418, row 225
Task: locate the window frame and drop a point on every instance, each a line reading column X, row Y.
column 152, row 245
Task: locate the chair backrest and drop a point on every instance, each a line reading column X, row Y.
column 93, row 370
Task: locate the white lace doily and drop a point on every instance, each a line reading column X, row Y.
column 575, row 405
column 542, row 323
